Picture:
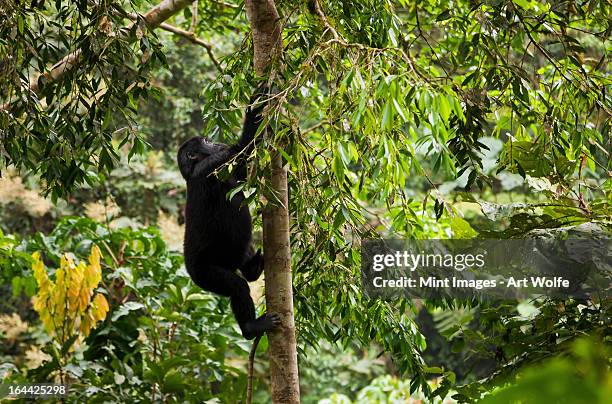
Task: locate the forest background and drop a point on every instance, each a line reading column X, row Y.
column 436, row 119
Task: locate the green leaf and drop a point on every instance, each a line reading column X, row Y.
column 125, row 309
column 445, row 108
column 387, row 118
column 458, row 345
column 196, row 296
column 462, row 229
column 173, row 382
column 433, row 369
column 444, row 15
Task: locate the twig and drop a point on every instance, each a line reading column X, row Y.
column 550, row 59
column 319, row 11
column 538, row 46
column 314, row 127
column 194, row 16
column 340, row 40
column 422, row 35
column 191, row 37
column 249, row 392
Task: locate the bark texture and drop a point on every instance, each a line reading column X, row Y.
column 279, row 289
column 164, row 10
column 266, row 29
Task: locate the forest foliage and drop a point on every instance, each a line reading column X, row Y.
column 401, row 119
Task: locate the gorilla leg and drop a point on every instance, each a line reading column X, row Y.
column 253, row 267
column 226, row 283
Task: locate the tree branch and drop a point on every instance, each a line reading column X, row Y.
column 343, row 42
column 194, row 16
column 319, row 11
column 191, row 37
column 153, row 18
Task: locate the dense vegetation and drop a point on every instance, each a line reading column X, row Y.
column 400, row 119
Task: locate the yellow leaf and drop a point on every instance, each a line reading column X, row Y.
column 60, row 275
column 47, row 323
column 84, row 299
column 40, row 274
column 94, row 256
column 93, row 272
column 101, row 307
column 85, row 325
column 65, row 304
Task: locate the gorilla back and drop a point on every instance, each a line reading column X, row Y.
column 218, row 231
column 216, row 228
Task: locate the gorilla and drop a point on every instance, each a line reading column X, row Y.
column 218, row 231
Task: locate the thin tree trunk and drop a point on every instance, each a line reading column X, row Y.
column 279, row 289
column 265, row 25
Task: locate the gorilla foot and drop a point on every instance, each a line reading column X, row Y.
column 260, row 325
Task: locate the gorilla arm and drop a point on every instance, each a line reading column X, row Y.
column 243, row 147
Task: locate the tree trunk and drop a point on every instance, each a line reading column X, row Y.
column 279, row 289
column 267, row 45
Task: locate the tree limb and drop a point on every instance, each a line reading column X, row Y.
column 194, row 16
column 191, row 37
column 153, row 18
column 323, row 17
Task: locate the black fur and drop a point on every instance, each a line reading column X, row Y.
column 218, row 232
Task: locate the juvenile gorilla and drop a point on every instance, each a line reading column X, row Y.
column 218, row 232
